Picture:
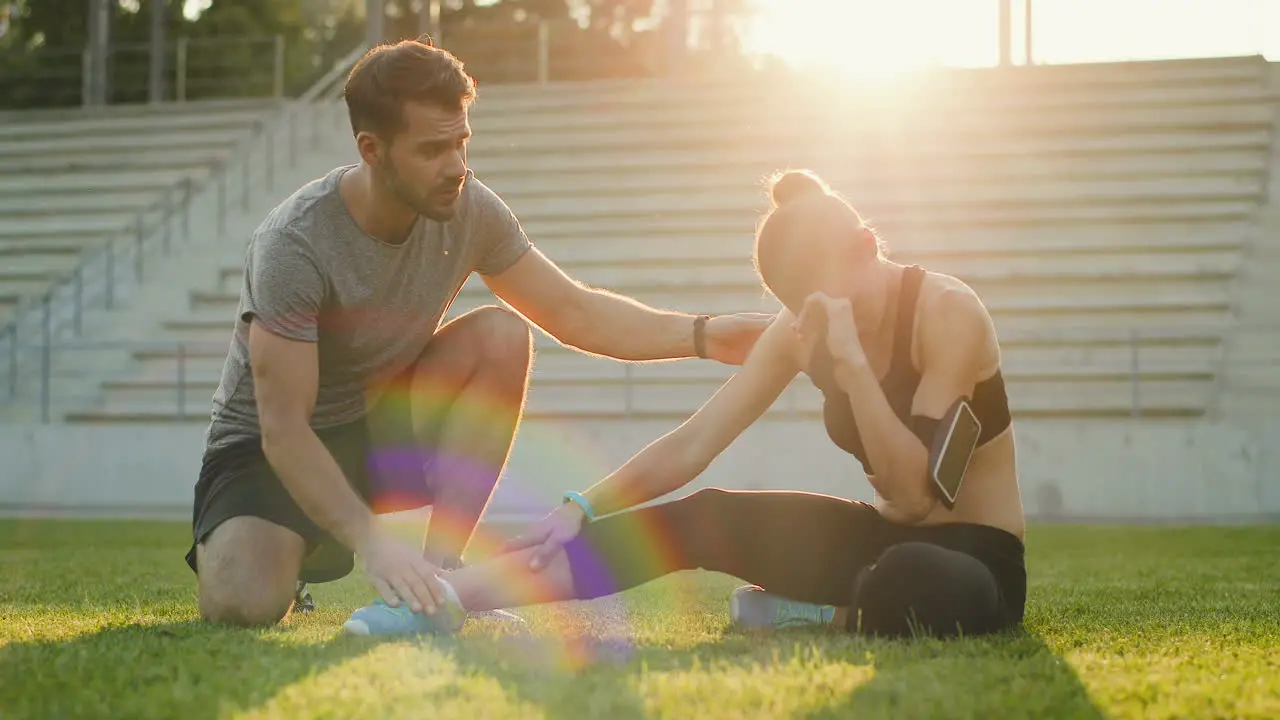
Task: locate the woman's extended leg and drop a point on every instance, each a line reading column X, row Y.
column 804, row 546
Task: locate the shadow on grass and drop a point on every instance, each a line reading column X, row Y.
column 808, row 674
column 194, row 669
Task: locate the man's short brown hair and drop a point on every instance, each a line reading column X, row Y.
column 388, row 76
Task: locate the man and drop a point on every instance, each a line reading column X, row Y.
column 343, row 398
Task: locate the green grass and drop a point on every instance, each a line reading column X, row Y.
column 99, row 620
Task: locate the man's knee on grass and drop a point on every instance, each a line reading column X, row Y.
column 244, row 606
column 248, row 572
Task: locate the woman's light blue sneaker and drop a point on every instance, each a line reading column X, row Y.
column 382, row 620
column 751, row 607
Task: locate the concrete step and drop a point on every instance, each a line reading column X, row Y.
column 196, row 120
column 86, row 202
column 843, row 165
column 1041, row 89
column 586, row 193
column 1250, row 344
column 1251, row 404
column 1101, row 244
column 921, row 162
column 735, row 215
column 978, row 140
column 1197, row 302
column 1077, row 200
column 54, row 184
column 198, row 344
column 78, row 146
column 44, row 264
column 1045, row 360
column 53, row 245
column 122, row 160
column 1083, row 270
column 904, row 117
column 1085, row 397
column 1259, row 376
column 31, row 228
column 1065, row 292
column 25, row 284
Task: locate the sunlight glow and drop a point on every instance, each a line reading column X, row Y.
column 884, row 38
column 876, row 38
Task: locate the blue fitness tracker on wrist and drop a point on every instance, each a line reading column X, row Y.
column 578, row 499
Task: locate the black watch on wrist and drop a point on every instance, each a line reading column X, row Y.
column 700, row 335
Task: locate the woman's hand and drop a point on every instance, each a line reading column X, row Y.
column 832, row 317
column 549, row 535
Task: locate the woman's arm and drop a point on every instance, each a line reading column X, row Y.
column 673, row 460
column 953, row 335
column 679, row 456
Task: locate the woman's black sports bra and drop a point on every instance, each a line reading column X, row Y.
column 990, row 402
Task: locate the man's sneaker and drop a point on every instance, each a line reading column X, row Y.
column 302, row 600
column 751, row 607
column 381, row 620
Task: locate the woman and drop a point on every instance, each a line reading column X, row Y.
column 891, row 348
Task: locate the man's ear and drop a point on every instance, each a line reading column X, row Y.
column 371, row 148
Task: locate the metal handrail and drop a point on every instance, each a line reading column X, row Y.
column 64, row 303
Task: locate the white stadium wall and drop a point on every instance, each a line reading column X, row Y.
column 1098, row 470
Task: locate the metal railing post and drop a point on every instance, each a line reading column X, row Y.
column 137, row 256
column 293, row 136
column 277, row 79
column 187, row 192
column 86, row 79
column 182, row 381
column 244, row 164
column 1134, row 374
column 221, row 171
column 13, row 360
column 315, row 128
column 544, row 52
column 167, row 240
column 78, row 310
column 180, row 71
column 46, row 358
column 269, row 150
column 628, row 381
column 110, row 299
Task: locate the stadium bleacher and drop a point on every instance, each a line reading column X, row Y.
column 70, row 181
column 1088, row 205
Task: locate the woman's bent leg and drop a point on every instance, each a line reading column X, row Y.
column 917, row 587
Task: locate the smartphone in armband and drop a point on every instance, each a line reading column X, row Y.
column 952, row 450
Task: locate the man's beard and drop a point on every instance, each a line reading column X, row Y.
column 420, row 205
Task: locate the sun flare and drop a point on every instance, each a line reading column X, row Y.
column 876, row 38
column 885, row 38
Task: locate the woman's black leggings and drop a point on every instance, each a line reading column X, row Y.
column 896, row 580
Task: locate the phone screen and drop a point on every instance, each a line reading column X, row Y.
column 954, row 461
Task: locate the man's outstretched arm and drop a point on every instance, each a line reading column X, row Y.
column 605, row 323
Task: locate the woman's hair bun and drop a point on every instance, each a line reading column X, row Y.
column 795, row 184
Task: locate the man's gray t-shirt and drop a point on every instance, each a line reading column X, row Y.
column 312, row 274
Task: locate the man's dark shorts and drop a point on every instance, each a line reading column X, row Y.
column 384, row 467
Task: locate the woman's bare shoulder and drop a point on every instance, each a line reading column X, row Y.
column 948, row 305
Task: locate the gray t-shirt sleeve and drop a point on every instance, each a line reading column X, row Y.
column 284, row 288
column 497, row 231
